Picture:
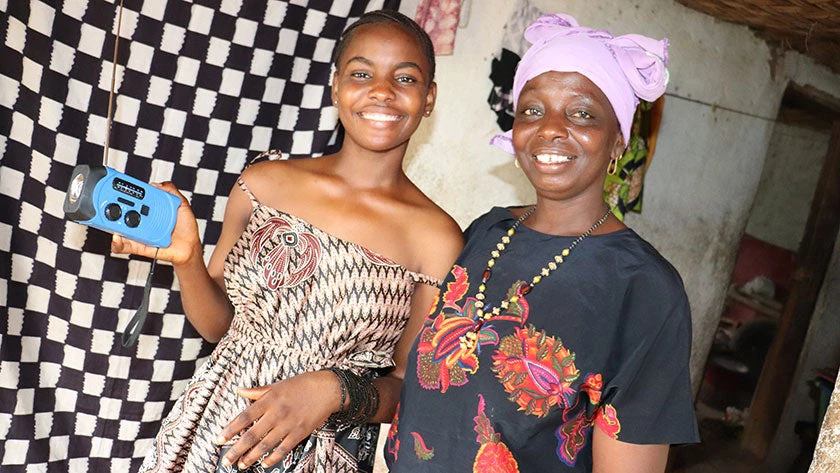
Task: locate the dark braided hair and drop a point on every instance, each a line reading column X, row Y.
column 388, row 16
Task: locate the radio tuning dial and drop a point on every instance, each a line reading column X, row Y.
column 132, row 219
column 113, row 212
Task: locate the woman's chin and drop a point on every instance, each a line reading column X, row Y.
column 382, row 146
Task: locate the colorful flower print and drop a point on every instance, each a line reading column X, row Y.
column 392, row 443
column 592, row 386
column 441, row 359
column 606, row 419
column 420, row 449
column 280, row 267
column 456, row 289
column 493, row 456
column 536, row 370
column 539, row 373
column 572, row 435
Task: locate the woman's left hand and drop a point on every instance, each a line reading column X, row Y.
column 281, row 416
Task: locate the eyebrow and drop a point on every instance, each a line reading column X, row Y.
column 577, row 95
column 361, row 59
column 402, row 65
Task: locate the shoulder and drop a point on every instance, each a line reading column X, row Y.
column 641, row 261
column 442, row 224
column 287, row 169
column 435, row 238
column 276, row 177
column 651, row 281
column 495, row 215
column 479, row 227
column 438, row 234
column 426, row 213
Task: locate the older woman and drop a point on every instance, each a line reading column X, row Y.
column 561, row 338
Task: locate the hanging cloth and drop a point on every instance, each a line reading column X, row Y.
column 440, row 20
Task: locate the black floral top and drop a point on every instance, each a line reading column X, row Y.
column 603, row 341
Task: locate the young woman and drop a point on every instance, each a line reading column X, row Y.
column 561, row 339
column 320, row 280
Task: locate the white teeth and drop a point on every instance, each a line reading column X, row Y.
column 551, row 158
column 380, row 117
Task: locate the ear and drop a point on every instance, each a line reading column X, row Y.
column 431, row 96
column 334, row 90
column 619, row 147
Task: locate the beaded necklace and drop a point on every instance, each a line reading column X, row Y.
column 469, row 339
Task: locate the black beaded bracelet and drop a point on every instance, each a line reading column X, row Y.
column 363, row 398
column 342, row 385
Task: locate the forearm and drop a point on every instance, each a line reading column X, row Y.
column 206, row 305
column 389, row 397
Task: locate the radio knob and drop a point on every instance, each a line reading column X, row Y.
column 132, row 219
column 113, row 212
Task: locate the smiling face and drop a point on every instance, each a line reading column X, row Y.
column 382, row 87
column 564, row 134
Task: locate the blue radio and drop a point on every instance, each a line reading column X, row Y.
column 109, row 200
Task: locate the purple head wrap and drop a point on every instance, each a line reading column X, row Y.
column 626, row 68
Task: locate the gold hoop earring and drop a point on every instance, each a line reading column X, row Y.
column 612, row 168
column 516, row 163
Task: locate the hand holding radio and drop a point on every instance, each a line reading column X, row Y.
column 203, row 298
column 151, row 220
column 185, row 243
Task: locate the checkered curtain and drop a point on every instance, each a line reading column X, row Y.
column 202, row 88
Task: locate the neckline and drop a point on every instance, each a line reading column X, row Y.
column 509, row 215
column 385, row 260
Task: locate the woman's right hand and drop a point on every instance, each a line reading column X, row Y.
column 279, row 417
column 186, row 244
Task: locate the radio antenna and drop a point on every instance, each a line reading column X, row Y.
column 113, row 82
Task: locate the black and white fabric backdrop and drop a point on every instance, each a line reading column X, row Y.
column 202, row 87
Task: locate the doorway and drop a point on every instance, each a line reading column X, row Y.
column 773, row 289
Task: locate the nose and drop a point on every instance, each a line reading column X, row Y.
column 381, row 91
column 554, row 126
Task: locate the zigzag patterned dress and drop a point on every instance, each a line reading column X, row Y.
column 303, row 300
